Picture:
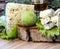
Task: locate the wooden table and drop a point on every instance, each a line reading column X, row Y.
column 19, row 44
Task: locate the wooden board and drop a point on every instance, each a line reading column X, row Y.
column 19, row 44
column 33, row 34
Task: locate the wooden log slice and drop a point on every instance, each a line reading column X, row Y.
column 23, row 33
column 36, row 35
column 33, row 34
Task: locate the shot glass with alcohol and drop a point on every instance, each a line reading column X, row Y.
column 40, row 5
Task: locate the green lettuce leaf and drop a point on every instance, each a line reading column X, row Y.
column 3, row 34
column 53, row 32
column 11, row 34
column 49, row 33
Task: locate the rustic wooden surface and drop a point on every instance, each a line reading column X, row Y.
column 19, row 44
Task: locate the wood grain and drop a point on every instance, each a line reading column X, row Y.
column 19, row 44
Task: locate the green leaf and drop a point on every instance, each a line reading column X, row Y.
column 39, row 25
column 12, row 33
column 49, row 33
column 54, row 31
column 3, row 34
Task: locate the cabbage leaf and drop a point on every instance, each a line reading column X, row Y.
column 50, row 32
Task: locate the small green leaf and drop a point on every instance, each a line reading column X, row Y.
column 13, row 33
column 3, row 34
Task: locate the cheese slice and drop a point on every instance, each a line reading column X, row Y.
column 47, row 13
column 13, row 13
column 56, row 19
column 49, row 26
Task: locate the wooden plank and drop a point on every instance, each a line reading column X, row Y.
column 19, row 44
column 28, row 45
column 46, row 45
column 55, row 47
column 10, row 43
column 3, row 42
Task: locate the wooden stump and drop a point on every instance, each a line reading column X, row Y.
column 32, row 33
column 23, row 33
column 57, row 39
column 36, row 36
